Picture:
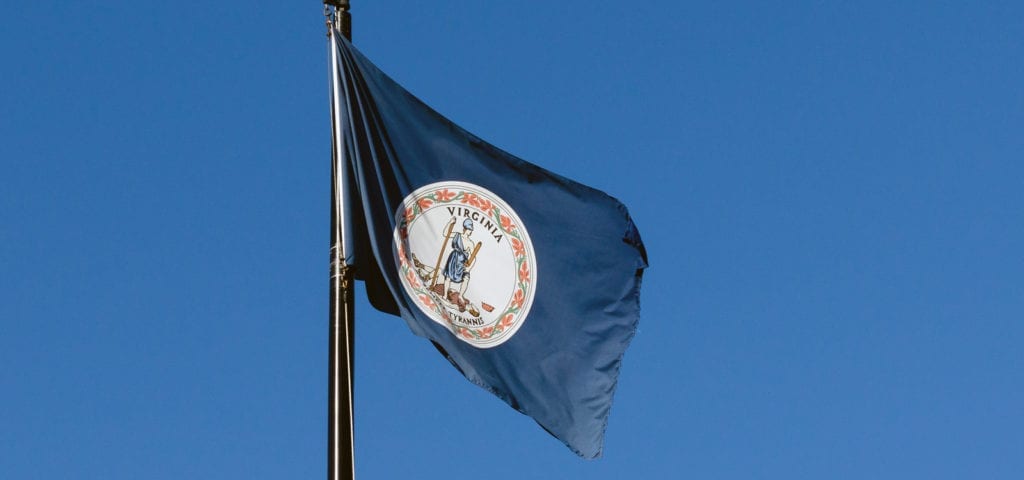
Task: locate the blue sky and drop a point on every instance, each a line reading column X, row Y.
column 830, row 194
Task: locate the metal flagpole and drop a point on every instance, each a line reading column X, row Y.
column 340, row 412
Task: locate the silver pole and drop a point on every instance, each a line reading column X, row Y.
column 340, row 412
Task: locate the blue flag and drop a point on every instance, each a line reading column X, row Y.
column 528, row 282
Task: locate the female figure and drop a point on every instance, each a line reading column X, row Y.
column 455, row 269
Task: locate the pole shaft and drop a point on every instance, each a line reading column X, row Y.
column 341, row 334
column 340, row 431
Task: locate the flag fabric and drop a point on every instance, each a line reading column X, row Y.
column 527, row 282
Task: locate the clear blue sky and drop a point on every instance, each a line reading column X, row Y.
column 830, row 193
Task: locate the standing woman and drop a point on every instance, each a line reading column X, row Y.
column 455, row 270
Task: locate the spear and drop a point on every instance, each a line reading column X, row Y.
column 440, row 255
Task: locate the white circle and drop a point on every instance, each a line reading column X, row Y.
column 466, row 261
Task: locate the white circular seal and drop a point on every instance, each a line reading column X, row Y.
column 466, row 261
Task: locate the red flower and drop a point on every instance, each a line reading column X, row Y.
column 506, row 223
column 518, row 298
column 424, row 203
column 486, row 206
column 506, row 321
column 486, row 332
column 524, row 273
column 444, row 195
column 409, row 214
column 518, row 248
column 471, row 199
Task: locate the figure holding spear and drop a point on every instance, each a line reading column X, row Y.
column 456, row 269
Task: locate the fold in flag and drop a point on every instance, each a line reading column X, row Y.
column 528, row 282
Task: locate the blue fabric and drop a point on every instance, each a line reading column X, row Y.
column 562, row 365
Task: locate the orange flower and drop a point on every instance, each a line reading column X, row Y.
column 427, row 301
column 424, row 203
column 506, row 223
column 466, row 333
column 518, row 298
column 518, row 249
column 486, row 206
column 506, row 321
column 471, row 199
column 486, row 332
column 409, row 214
column 524, row 273
column 410, row 275
column 444, row 195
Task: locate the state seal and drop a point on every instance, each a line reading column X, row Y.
column 466, row 261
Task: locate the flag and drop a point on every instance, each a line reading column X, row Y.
column 526, row 281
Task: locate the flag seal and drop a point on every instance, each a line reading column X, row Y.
column 466, row 261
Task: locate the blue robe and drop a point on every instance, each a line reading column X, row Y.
column 455, row 268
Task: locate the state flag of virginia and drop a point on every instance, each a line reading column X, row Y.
column 528, row 282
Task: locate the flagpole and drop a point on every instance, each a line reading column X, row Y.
column 341, row 350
